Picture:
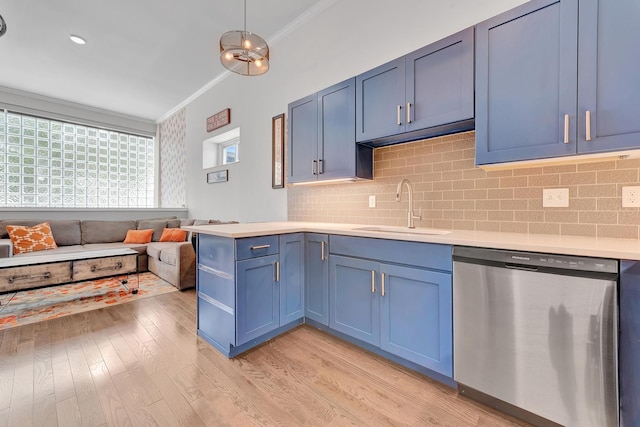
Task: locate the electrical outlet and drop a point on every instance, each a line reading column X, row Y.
column 555, row 197
column 630, row 197
column 372, row 201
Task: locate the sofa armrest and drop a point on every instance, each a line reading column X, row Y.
column 6, row 248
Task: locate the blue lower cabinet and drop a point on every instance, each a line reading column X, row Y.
column 629, row 356
column 416, row 316
column 316, row 274
column 291, row 277
column 354, row 302
column 257, row 298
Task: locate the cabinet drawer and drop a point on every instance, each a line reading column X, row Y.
column 216, row 252
column 33, row 276
column 217, row 285
column 253, row 247
column 426, row 255
column 216, row 322
column 87, row 269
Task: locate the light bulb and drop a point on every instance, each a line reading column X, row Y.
column 258, row 63
column 228, row 56
column 247, row 44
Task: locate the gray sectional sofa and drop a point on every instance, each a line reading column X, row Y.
column 172, row 261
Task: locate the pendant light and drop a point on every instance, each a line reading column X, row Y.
column 3, row 26
column 243, row 52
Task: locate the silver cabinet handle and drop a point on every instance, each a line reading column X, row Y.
column 313, row 167
column 255, row 248
column 399, row 117
column 277, row 271
column 322, row 257
column 320, row 167
column 587, row 120
column 566, row 128
column 382, row 276
column 408, row 112
column 373, row 281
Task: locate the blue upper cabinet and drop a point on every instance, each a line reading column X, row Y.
column 431, row 88
column 322, row 143
column 380, row 101
column 609, row 67
column 526, row 82
column 303, row 139
column 439, row 82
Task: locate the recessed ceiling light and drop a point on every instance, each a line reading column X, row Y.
column 77, row 39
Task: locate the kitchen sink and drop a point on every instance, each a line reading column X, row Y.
column 404, row 230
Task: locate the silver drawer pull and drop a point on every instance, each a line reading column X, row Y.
column 12, row 279
column 255, row 248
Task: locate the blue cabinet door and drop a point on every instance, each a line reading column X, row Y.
column 317, row 277
column 354, row 299
column 380, row 109
column 257, row 298
column 303, row 139
column 439, row 82
column 291, row 277
column 336, row 131
column 526, row 82
column 416, row 316
column 609, row 66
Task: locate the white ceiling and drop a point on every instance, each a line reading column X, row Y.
column 142, row 57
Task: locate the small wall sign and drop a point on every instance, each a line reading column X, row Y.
column 219, row 119
column 218, row 176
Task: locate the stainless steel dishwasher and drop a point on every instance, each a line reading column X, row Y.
column 536, row 335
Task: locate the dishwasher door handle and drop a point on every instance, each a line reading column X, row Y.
column 521, row 267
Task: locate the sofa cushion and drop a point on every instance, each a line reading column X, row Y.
column 140, row 248
column 59, row 250
column 105, row 231
column 186, row 221
column 31, row 239
column 157, row 225
column 166, row 252
column 65, row 232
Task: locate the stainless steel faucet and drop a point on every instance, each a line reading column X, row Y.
column 410, row 214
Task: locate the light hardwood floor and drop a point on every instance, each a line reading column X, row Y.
column 141, row 363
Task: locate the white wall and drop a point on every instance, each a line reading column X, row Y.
column 346, row 38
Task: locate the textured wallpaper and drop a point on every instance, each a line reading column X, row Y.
column 173, row 161
column 454, row 194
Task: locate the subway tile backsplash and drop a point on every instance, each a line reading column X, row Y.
column 454, row 194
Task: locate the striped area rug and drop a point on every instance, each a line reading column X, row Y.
column 30, row 306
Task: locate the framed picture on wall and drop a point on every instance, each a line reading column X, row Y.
column 277, row 149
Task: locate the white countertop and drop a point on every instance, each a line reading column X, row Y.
column 569, row 245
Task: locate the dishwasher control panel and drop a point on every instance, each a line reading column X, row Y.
column 534, row 259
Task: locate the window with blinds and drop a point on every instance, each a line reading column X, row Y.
column 50, row 163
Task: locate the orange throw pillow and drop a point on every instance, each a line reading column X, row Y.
column 138, row 236
column 31, row 239
column 173, row 235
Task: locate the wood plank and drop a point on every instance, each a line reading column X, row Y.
column 112, row 406
column 45, row 413
column 69, row 413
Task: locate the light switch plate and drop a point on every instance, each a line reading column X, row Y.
column 555, row 197
column 372, row 201
column 630, row 197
